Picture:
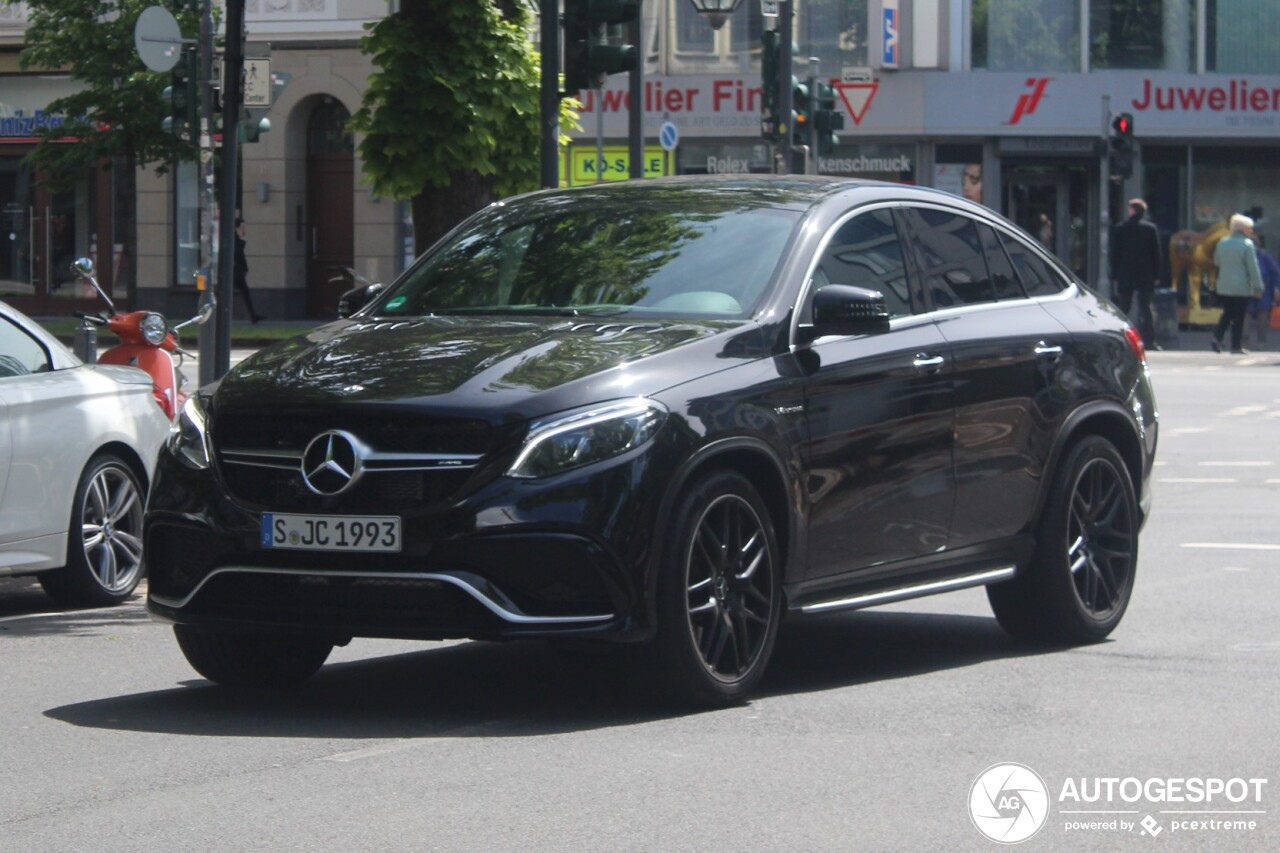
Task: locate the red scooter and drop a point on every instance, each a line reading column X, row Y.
column 146, row 341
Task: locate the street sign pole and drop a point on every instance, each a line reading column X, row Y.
column 208, row 201
column 232, row 96
column 785, row 102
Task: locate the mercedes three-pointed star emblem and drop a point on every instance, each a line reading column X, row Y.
column 332, row 462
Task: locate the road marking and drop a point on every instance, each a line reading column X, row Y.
column 1245, row 410
column 1272, row 481
column 1234, row 569
column 1187, row 430
column 1198, row 480
column 1232, row 546
column 374, row 751
column 1254, row 464
column 63, row 614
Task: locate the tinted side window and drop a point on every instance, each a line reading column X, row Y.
column 866, row 252
column 1038, row 278
column 20, row 354
column 1003, row 278
column 954, row 270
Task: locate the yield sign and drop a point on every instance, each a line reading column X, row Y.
column 857, row 98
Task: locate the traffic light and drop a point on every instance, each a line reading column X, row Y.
column 770, row 59
column 183, row 97
column 801, row 111
column 826, row 118
column 1122, row 145
column 1122, row 131
column 594, row 46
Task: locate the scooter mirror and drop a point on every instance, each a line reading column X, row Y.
column 83, row 266
column 204, row 313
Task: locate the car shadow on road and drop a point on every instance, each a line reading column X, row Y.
column 479, row 689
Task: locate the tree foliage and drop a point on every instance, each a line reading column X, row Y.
column 115, row 117
column 117, row 114
column 451, row 116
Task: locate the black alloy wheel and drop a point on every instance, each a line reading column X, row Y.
column 1081, row 577
column 104, row 540
column 720, row 595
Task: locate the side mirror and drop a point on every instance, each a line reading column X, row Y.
column 842, row 309
column 83, row 267
column 356, row 298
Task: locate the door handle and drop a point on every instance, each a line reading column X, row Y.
column 926, row 363
column 1048, row 352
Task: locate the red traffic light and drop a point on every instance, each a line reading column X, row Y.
column 1123, row 126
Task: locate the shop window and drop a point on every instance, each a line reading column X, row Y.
column 1156, row 34
column 1241, row 36
column 1026, row 35
column 696, row 46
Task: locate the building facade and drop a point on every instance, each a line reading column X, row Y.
column 1005, row 101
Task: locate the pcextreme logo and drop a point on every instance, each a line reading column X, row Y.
column 1029, row 101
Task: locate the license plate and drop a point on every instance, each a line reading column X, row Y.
column 331, row 532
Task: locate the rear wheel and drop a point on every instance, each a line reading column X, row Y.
column 252, row 659
column 1079, row 582
column 104, row 540
column 719, row 593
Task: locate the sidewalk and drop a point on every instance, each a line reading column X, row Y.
column 1196, row 339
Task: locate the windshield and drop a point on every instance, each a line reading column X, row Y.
column 709, row 255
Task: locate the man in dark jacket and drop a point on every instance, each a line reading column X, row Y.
column 1135, row 267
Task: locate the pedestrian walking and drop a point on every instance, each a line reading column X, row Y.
column 1260, row 308
column 1135, row 267
column 241, row 277
column 1238, row 279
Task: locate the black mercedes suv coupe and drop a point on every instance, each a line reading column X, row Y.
column 673, row 413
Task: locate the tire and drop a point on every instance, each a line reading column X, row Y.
column 1081, row 576
column 104, row 539
column 719, row 594
column 252, row 660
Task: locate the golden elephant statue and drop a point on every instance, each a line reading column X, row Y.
column 1191, row 253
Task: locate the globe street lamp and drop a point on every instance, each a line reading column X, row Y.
column 717, row 11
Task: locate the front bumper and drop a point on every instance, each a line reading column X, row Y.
column 561, row 557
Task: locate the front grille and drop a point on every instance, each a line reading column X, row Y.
column 412, row 460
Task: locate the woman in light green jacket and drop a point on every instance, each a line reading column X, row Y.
column 1238, row 280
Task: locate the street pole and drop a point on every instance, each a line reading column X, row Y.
column 232, row 98
column 208, row 201
column 1104, row 203
column 549, row 23
column 785, row 102
column 635, row 116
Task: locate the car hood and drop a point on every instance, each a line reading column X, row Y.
column 497, row 364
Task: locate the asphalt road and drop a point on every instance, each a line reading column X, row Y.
column 869, row 734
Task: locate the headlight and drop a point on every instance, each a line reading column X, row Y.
column 585, row 437
column 154, row 329
column 186, row 435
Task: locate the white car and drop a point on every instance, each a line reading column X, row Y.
column 78, row 444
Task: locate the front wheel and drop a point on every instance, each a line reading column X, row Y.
column 252, row 659
column 1079, row 582
column 719, row 593
column 104, row 540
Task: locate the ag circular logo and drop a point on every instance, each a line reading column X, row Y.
column 1008, row 803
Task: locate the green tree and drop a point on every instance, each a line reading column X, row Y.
column 451, row 117
column 116, row 116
